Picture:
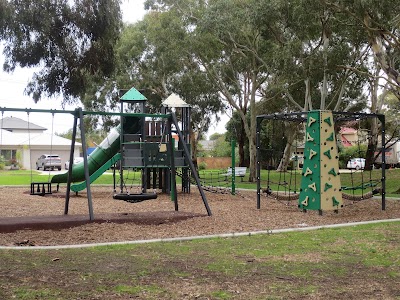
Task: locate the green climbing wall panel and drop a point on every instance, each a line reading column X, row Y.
column 320, row 183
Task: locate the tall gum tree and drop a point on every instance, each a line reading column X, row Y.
column 69, row 41
column 228, row 49
column 310, row 49
column 377, row 26
column 233, row 54
column 378, row 21
column 152, row 55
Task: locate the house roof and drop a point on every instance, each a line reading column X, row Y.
column 33, row 139
column 346, row 142
column 347, row 130
column 9, row 123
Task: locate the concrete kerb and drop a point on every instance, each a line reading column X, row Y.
column 190, row 238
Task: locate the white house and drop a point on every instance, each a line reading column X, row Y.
column 25, row 142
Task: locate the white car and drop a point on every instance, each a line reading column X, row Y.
column 77, row 160
column 48, row 161
column 356, row 163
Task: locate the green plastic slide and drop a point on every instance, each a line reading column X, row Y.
column 102, row 155
column 82, row 185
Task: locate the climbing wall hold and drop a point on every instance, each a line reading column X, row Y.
column 328, row 154
column 328, row 121
column 327, row 186
column 309, row 138
column 312, row 153
column 307, row 172
column 311, row 120
column 313, row 186
column 332, row 172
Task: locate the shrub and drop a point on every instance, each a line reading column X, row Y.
column 202, row 166
column 346, row 154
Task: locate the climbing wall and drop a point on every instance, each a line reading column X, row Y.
column 320, row 183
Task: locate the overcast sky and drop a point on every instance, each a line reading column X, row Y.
column 12, row 86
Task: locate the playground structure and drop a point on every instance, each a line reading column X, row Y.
column 141, row 141
column 320, row 187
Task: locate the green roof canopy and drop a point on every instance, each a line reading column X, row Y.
column 133, row 95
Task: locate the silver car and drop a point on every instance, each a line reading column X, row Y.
column 77, row 160
column 48, row 161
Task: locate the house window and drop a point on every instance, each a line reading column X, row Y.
column 8, row 155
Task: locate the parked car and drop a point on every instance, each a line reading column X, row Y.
column 77, row 160
column 48, row 161
column 356, row 163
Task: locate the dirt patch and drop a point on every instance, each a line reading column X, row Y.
column 157, row 218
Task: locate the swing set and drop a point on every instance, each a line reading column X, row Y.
column 165, row 149
column 37, row 188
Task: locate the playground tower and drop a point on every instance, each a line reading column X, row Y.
column 320, row 184
column 145, row 147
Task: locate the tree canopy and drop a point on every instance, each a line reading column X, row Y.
column 252, row 56
column 69, row 41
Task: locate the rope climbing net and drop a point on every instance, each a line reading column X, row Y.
column 281, row 147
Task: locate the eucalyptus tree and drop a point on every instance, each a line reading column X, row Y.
column 311, row 48
column 379, row 23
column 229, row 46
column 69, row 41
column 232, row 53
column 153, row 56
column 376, row 24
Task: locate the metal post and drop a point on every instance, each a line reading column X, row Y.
column 171, row 146
column 71, row 162
column 258, row 163
column 85, row 163
column 121, row 150
column 233, row 146
column 191, row 165
column 383, row 130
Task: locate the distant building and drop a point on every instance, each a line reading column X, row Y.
column 207, row 145
column 18, row 125
column 24, row 142
column 348, row 136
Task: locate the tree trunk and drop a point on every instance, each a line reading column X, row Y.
column 252, row 135
column 324, row 89
column 380, row 55
column 373, row 123
column 193, row 144
column 372, row 144
column 283, row 164
column 241, row 143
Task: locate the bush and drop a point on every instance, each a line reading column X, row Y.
column 202, row 166
column 348, row 153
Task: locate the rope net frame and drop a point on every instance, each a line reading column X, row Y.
column 267, row 153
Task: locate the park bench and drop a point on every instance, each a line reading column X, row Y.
column 239, row 172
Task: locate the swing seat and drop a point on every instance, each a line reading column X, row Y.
column 135, row 198
column 41, row 188
column 365, row 196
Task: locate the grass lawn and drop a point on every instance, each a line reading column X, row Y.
column 360, row 262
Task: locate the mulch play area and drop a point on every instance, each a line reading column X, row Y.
column 39, row 220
